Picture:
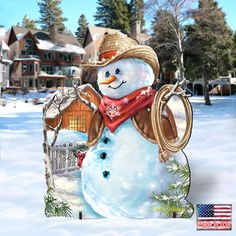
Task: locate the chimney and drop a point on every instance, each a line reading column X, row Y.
column 136, row 29
column 53, row 33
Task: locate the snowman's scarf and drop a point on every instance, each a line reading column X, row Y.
column 116, row 111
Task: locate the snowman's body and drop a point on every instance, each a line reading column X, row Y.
column 120, row 173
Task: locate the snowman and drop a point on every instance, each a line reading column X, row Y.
column 121, row 174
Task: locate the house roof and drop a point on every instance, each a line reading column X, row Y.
column 48, row 45
column 95, row 34
column 43, row 35
column 53, row 112
column 3, row 46
column 98, row 32
column 67, row 43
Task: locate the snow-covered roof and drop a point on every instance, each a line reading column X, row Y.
column 4, row 46
column 26, row 59
column 66, row 102
column 20, row 36
column 53, row 111
column 6, row 61
column 44, row 74
column 98, row 32
column 2, row 31
column 233, row 80
column 50, row 46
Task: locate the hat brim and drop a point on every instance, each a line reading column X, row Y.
column 142, row 52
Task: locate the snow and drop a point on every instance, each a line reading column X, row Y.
column 70, row 48
column 211, row 154
column 68, row 136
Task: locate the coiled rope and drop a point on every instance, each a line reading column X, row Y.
column 167, row 147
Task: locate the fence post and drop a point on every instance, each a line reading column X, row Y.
column 66, row 157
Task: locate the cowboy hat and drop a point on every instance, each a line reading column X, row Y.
column 119, row 46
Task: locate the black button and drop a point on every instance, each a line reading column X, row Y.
column 103, row 155
column 106, row 174
column 106, row 140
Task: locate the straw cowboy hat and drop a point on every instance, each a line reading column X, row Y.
column 119, row 46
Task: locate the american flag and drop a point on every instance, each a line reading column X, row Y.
column 214, row 216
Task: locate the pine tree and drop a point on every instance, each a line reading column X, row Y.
column 209, row 43
column 164, row 43
column 51, row 14
column 81, row 30
column 234, row 51
column 136, row 9
column 169, row 203
column 53, row 207
column 113, row 14
column 28, row 23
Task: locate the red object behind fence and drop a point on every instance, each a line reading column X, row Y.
column 80, row 156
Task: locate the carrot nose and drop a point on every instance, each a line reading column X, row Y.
column 110, row 80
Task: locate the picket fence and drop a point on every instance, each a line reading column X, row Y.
column 62, row 158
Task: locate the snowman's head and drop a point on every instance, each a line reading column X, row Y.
column 123, row 77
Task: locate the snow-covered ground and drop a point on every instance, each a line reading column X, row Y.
column 211, row 152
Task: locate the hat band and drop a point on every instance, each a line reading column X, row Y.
column 108, row 55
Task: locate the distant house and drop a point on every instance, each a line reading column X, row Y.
column 76, row 115
column 221, row 86
column 42, row 59
column 4, row 61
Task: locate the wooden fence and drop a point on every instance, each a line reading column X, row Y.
column 62, row 158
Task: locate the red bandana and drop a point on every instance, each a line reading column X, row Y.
column 116, row 111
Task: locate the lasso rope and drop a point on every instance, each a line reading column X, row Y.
column 166, row 147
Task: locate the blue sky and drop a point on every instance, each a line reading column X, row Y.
column 12, row 11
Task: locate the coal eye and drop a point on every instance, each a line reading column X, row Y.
column 117, row 71
column 107, row 74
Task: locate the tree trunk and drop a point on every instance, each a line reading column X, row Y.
column 206, row 91
column 181, row 59
column 48, row 171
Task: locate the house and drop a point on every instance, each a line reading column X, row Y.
column 75, row 114
column 41, row 59
column 220, row 86
column 4, row 61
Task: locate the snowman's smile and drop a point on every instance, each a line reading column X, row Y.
column 123, row 82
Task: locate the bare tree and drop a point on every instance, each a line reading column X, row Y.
column 174, row 15
column 57, row 102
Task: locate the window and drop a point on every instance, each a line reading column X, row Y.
column 4, row 68
column 30, row 83
column 22, row 52
column 24, row 67
column 47, row 55
column 28, row 43
column 77, row 123
column 31, row 67
column 36, row 67
column 31, row 52
column 48, row 69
